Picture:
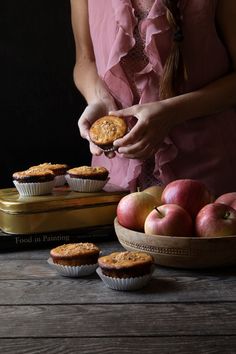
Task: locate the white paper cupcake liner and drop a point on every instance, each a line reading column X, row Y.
column 60, row 180
column 30, row 189
column 73, row 271
column 85, row 185
column 124, row 284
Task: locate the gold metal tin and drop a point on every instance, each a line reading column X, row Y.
column 62, row 210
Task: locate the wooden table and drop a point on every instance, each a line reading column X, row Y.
column 180, row 311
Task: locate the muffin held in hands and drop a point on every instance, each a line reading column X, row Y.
column 75, row 259
column 125, row 270
column 87, row 178
column 34, row 182
column 105, row 130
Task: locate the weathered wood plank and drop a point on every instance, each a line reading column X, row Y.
column 108, row 246
column 38, row 268
column 164, row 345
column 91, row 289
column 118, row 320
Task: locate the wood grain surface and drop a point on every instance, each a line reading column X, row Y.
column 179, row 311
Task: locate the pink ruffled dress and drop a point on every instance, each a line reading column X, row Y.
column 202, row 148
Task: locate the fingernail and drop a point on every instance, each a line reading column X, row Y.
column 116, row 143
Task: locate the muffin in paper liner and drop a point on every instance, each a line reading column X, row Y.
column 85, row 185
column 73, row 271
column 125, row 284
column 60, row 180
column 34, row 188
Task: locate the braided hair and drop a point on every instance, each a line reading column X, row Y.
column 174, row 69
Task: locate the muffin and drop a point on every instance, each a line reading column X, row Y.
column 105, row 130
column 59, row 171
column 125, row 270
column 75, row 259
column 75, row 254
column 87, row 178
column 34, row 182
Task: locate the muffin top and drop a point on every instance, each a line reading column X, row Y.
column 128, row 259
column 35, row 173
column 88, row 171
column 57, row 168
column 70, row 250
column 105, row 130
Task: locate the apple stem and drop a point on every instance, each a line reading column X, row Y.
column 158, row 211
column 227, row 214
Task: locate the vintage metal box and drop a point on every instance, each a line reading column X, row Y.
column 62, row 210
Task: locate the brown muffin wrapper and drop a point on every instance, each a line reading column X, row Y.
column 76, row 261
column 127, row 272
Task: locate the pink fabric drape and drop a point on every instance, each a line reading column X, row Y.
column 199, row 148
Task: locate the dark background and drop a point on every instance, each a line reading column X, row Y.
column 39, row 104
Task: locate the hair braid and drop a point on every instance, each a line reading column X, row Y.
column 174, row 68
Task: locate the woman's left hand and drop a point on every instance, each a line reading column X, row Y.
column 154, row 121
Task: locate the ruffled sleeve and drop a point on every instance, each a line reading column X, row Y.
column 118, row 29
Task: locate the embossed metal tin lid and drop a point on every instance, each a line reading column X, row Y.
column 61, row 198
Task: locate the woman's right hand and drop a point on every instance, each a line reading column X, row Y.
column 91, row 113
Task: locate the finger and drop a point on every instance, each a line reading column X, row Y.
column 136, row 133
column 142, row 154
column 132, row 149
column 110, row 154
column 84, row 133
column 94, row 149
column 130, row 111
column 84, row 127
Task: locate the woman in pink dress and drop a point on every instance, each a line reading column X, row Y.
column 169, row 66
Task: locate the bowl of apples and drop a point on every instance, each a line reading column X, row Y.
column 181, row 225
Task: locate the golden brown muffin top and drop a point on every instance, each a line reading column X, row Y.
column 128, row 259
column 107, row 129
column 32, row 173
column 50, row 166
column 75, row 249
column 88, row 170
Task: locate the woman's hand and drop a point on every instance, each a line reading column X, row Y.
column 91, row 113
column 154, row 121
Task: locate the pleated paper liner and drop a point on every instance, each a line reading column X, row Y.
column 73, row 271
column 85, row 185
column 125, row 284
column 32, row 189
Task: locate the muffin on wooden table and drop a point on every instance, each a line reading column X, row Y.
column 75, row 259
column 125, row 270
column 105, row 130
column 34, row 182
column 87, row 178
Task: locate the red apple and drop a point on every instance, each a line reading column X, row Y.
column 133, row 209
column 190, row 194
column 156, row 192
column 227, row 198
column 168, row 220
column 216, row 219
